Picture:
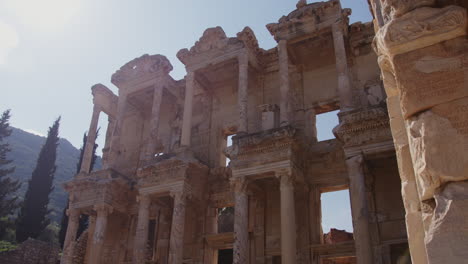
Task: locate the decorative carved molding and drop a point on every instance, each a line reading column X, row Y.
column 364, row 126
column 247, row 36
column 139, row 67
column 310, row 14
column 212, row 38
column 421, row 28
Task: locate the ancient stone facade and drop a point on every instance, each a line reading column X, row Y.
column 166, row 179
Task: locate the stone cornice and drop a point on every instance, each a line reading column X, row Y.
column 105, row 99
column 144, row 67
column 363, row 126
column 421, row 28
column 307, row 16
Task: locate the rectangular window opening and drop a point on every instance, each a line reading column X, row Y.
column 225, row 219
column 227, row 143
column 337, row 223
column 325, row 123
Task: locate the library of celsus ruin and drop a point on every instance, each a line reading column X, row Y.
column 173, row 189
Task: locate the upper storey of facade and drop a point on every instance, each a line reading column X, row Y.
column 233, row 86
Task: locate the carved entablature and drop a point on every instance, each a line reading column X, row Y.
column 361, row 36
column 307, row 19
column 141, row 69
column 275, row 146
column 421, row 28
column 162, row 173
column 100, row 187
column 364, row 127
column 215, row 47
column 172, row 175
column 105, row 99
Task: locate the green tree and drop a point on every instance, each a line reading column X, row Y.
column 32, row 219
column 83, row 224
column 8, row 187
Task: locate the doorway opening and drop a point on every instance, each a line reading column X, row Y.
column 225, row 256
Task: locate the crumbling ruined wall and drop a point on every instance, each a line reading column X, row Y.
column 31, row 252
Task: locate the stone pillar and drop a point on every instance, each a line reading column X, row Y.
column 344, row 84
column 188, row 103
column 105, row 150
column 424, row 71
column 242, row 92
column 288, row 219
column 97, row 243
column 283, row 62
column 359, row 209
column 241, row 222
column 115, row 147
column 90, row 140
column 176, row 242
column 154, row 123
column 70, row 236
column 141, row 234
column 91, row 228
column 311, row 125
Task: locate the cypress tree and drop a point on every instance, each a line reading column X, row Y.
column 83, row 223
column 8, row 186
column 32, row 219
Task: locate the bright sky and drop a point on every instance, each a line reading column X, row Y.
column 53, row 51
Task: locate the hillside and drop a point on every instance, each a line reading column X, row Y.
column 25, row 150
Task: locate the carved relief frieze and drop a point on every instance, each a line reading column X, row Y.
column 364, row 126
column 421, row 28
column 165, row 171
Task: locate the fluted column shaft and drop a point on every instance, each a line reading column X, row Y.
column 241, row 222
column 90, row 140
column 242, row 93
column 359, row 209
column 344, row 84
column 154, row 123
column 176, row 242
column 141, row 235
column 188, row 105
column 70, row 236
column 284, row 82
column 288, row 219
column 99, row 233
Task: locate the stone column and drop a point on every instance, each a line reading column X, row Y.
column 115, row 147
column 154, row 123
column 70, row 236
column 99, row 232
column 90, row 140
column 359, row 209
column 91, row 228
column 241, row 222
column 311, row 125
column 141, row 234
column 176, row 242
column 105, row 150
column 283, row 62
column 288, row 219
column 188, row 103
column 425, row 76
column 242, row 92
column 344, row 84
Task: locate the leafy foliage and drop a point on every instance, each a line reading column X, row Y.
column 8, row 186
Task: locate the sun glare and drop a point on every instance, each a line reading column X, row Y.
column 44, row 15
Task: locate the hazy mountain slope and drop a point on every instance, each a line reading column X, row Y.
column 25, row 150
